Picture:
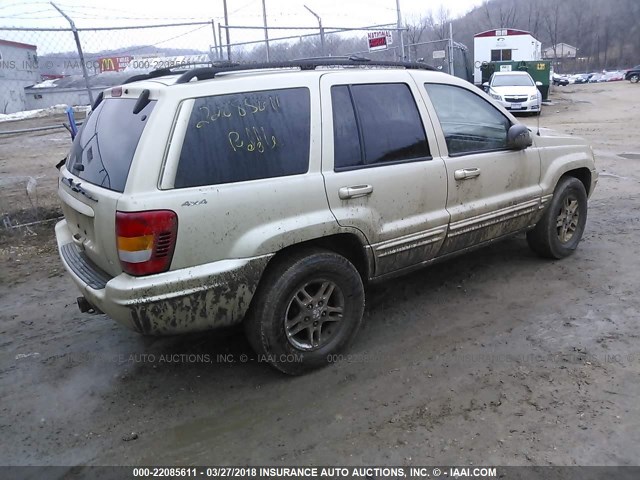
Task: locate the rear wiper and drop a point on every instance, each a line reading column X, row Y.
column 75, row 187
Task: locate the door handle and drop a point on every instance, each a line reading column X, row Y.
column 354, row 191
column 466, row 173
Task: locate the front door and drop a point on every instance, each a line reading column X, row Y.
column 493, row 191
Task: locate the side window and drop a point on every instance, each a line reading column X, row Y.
column 470, row 123
column 376, row 124
column 239, row 137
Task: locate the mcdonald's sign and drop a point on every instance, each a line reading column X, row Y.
column 113, row 64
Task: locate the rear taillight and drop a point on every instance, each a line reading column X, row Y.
column 146, row 240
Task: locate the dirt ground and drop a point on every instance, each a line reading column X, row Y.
column 495, row 358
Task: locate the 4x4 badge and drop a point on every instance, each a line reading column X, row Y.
column 193, row 204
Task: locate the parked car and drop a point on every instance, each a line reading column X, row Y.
column 614, row 76
column 515, row 91
column 633, row 74
column 270, row 196
column 559, row 80
column 581, row 78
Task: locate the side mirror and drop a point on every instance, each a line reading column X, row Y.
column 538, row 84
column 519, row 137
column 485, row 84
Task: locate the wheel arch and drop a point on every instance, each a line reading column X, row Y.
column 583, row 174
column 349, row 245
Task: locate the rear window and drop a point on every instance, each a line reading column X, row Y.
column 248, row 136
column 103, row 150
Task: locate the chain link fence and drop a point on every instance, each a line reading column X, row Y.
column 43, row 67
column 292, row 44
column 444, row 54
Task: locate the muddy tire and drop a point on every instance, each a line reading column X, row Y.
column 560, row 229
column 634, row 78
column 308, row 307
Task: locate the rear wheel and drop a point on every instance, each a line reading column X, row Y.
column 308, row 307
column 560, row 229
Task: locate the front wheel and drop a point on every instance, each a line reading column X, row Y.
column 634, row 78
column 308, row 307
column 560, row 229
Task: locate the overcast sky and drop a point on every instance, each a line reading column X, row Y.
column 286, row 12
column 101, row 13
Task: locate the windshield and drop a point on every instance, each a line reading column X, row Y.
column 103, row 149
column 512, row 81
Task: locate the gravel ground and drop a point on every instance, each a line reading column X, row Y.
column 494, row 358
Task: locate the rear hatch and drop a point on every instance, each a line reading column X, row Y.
column 95, row 176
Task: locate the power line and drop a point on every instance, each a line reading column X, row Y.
column 22, row 4
column 244, row 6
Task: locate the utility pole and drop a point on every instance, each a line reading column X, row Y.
column 80, row 54
column 400, row 31
column 266, row 32
column 215, row 42
column 451, row 50
column 221, row 56
column 226, row 24
column 321, row 29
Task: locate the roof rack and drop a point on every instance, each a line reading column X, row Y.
column 161, row 72
column 311, row 64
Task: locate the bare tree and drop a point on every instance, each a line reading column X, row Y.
column 551, row 22
column 533, row 18
column 438, row 22
column 416, row 30
column 500, row 14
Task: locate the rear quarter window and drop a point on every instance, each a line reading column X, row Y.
column 247, row 136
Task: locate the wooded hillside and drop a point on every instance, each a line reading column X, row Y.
column 606, row 32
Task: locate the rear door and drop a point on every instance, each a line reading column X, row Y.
column 493, row 191
column 95, row 176
column 380, row 174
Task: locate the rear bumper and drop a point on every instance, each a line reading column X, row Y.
column 179, row 301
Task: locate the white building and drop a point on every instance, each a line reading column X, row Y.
column 561, row 50
column 504, row 44
column 18, row 69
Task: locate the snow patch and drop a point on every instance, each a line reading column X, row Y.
column 42, row 112
column 46, row 84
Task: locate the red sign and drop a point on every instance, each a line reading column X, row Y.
column 113, row 64
column 379, row 40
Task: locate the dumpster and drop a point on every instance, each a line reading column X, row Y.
column 540, row 71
